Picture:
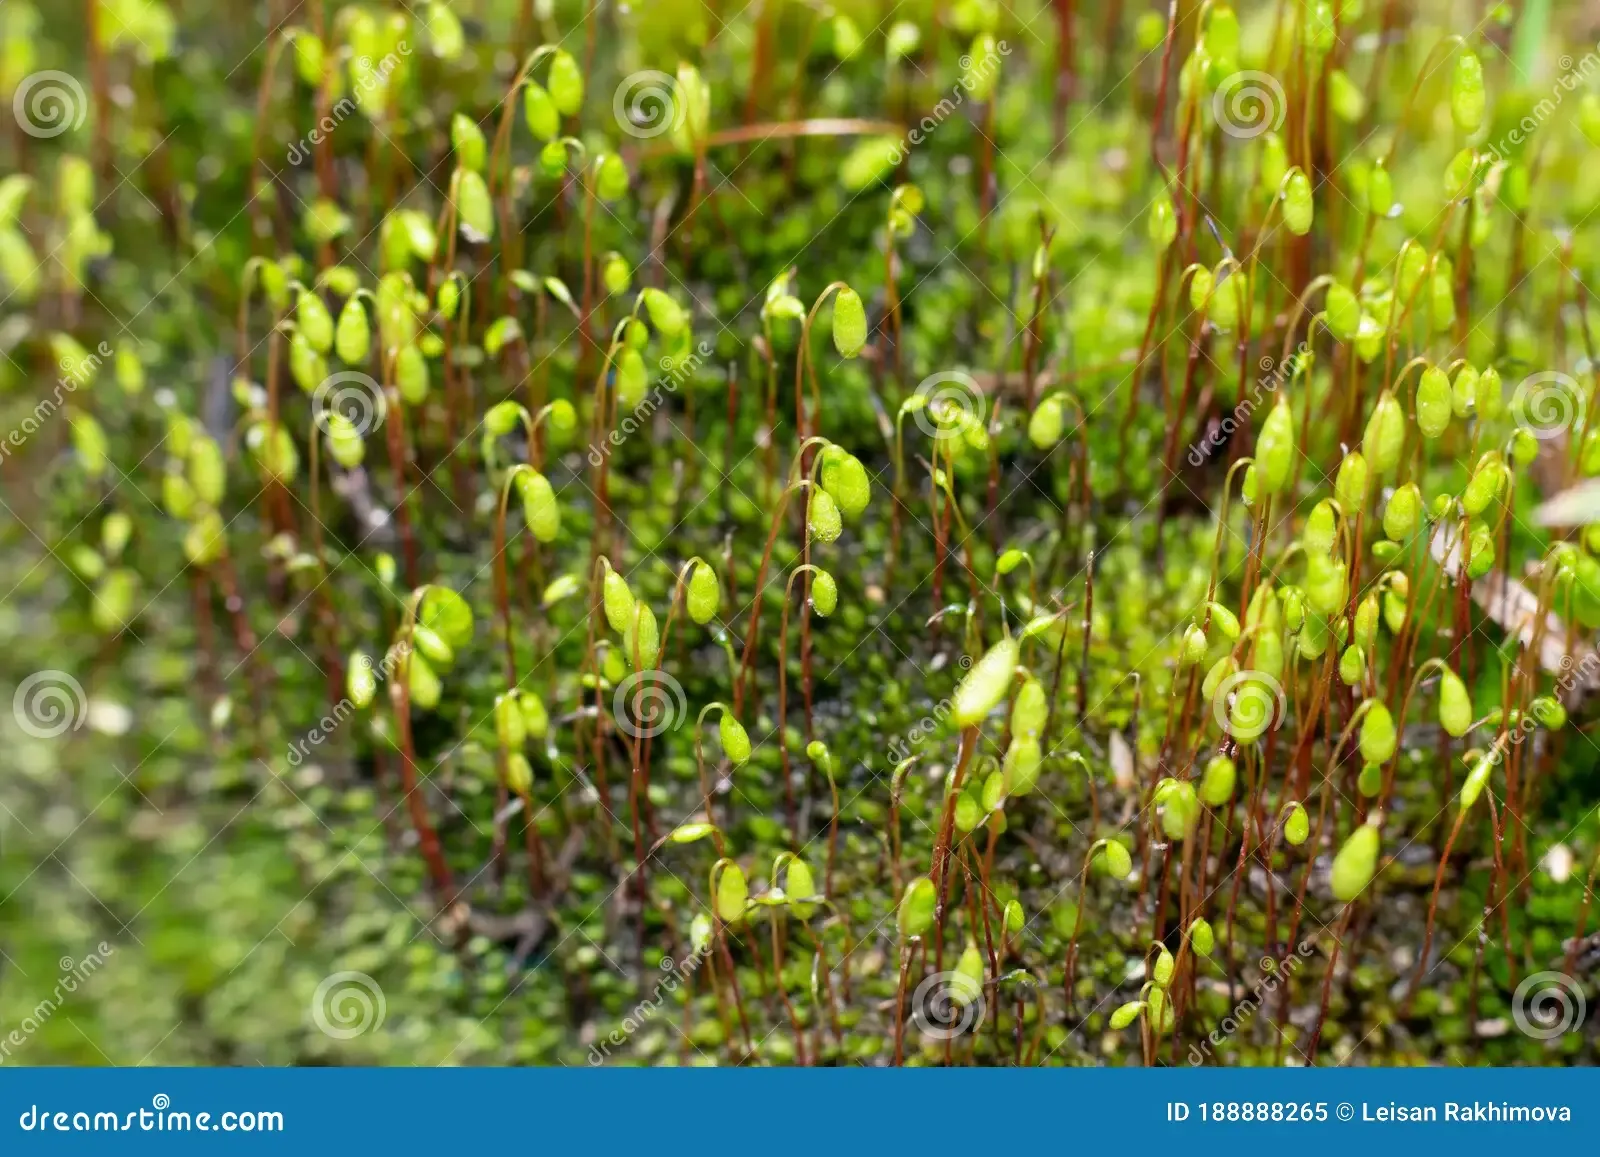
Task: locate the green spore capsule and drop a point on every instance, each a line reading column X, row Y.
column 1434, row 402
column 632, row 378
column 1297, row 202
column 423, row 683
column 799, row 883
column 314, row 321
column 917, row 905
column 1220, row 670
column 544, row 121
column 824, row 593
column 474, row 210
column 539, row 505
column 1194, row 646
column 1477, row 779
column 352, row 339
column 509, row 728
column 1380, row 190
column 1161, row 971
column 1548, row 712
column 411, row 375
column 1118, row 863
column 1201, row 938
column 1296, row 825
column 1464, row 392
column 1217, row 782
column 535, row 718
column 1275, row 449
column 1403, row 513
column 433, row 647
column 360, row 681
column 1321, row 530
column 1326, row 584
column 985, row 686
column 566, row 84
column 664, row 311
column 1046, row 424
column 1352, row 666
column 849, row 322
column 1162, row 223
column 617, row 599
column 1480, row 550
column 1343, row 312
column 823, row 521
column 1021, row 766
column 1350, row 486
column 1455, row 705
column 610, row 178
column 1355, row 863
column 466, row 138
column 735, row 740
column 1378, row 737
column 1491, row 398
column 1029, row 712
column 1385, row 435
column 519, row 774
column 846, row 480
column 1125, row 1015
column 641, row 642
column 1467, row 96
column 704, row 595
column 731, row 891
column 1484, row 485
column 1370, row 782
column 1524, row 448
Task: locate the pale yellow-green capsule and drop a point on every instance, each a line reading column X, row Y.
column 474, row 210
column 1401, row 516
column 1021, row 766
column 1162, row 223
column 1355, row 864
column 824, row 593
column 352, row 339
column 1467, row 97
column 730, row 889
column 1118, row 863
column 641, row 642
column 704, row 594
column 1434, row 402
column 1275, row 448
column 1350, row 487
column 539, row 505
column 1047, row 423
column 1484, row 484
column 360, row 681
column 1464, row 392
column 617, row 599
column 1455, row 705
column 509, row 727
column 519, row 774
column 1297, row 202
column 1378, row 738
column 1296, row 825
column 1201, row 937
column 1385, row 435
column 1326, row 584
column 849, row 322
column 1380, row 191
column 1477, row 779
column 917, row 907
column 1321, row 529
column 822, row 517
column 1343, row 312
column 1216, row 783
column 544, row 122
column 735, row 740
column 1029, row 712
column 566, row 84
column 986, row 685
column 1352, row 666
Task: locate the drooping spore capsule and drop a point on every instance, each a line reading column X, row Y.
column 1434, row 402
column 1298, row 206
column 986, row 684
column 849, row 322
column 704, row 593
column 1385, row 435
column 1355, row 863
